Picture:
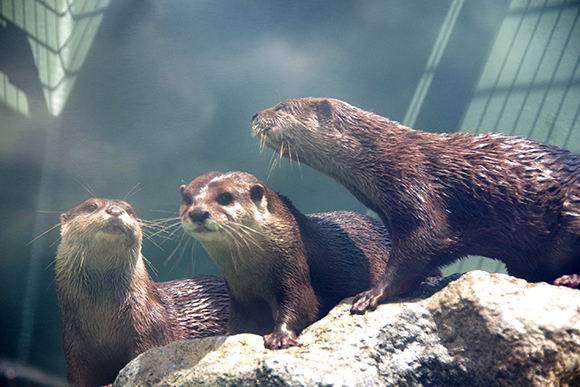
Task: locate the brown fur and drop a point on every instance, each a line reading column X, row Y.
column 284, row 270
column 441, row 196
column 111, row 310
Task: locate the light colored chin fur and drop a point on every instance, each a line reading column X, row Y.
column 108, row 237
column 213, row 234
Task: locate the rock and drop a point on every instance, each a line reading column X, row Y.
column 479, row 330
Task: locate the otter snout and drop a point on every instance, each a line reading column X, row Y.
column 264, row 114
column 262, row 122
column 198, row 215
column 114, row 211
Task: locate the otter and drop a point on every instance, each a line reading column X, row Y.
column 110, row 308
column 441, row 196
column 284, row 270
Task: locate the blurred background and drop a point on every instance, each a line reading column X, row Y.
column 110, row 97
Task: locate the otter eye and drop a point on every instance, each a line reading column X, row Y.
column 224, row 199
column 187, row 200
column 129, row 211
column 278, row 108
column 91, row 207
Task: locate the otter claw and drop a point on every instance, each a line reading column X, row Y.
column 571, row 281
column 367, row 301
column 273, row 342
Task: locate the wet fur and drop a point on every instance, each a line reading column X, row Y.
column 284, row 270
column 111, row 310
column 441, row 196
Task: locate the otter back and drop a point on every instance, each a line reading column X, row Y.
column 441, row 196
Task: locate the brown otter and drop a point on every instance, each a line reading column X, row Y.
column 284, row 270
column 111, row 310
column 441, row 196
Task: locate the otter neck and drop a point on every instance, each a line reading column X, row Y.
column 105, row 269
column 237, row 257
column 399, row 148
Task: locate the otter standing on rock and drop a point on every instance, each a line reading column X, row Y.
column 284, row 270
column 111, row 310
column 441, row 196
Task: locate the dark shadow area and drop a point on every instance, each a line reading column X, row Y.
column 17, row 63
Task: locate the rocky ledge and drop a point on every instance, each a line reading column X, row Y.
column 478, row 329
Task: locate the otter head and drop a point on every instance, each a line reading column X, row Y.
column 224, row 208
column 316, row 131
column 106, row 228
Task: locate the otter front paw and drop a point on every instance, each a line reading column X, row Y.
column 279, row 340
column 368, row 300
column 572, row 281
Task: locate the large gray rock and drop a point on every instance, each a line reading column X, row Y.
column 479, row 330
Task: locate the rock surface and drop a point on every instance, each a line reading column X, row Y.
column 479, row 330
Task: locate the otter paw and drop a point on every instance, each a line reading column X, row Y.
column 278, row 341
column 572, row 281
column 368, row 300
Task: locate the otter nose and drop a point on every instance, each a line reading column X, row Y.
column 115, row 211
column 198, row 216
column 255, row 116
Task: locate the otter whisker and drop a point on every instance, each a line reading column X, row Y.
column 299, row 165
column 86, row 186
column 150, row 239
column 236, row 243
column 290, row 154
column 249, row 232
column 54, row 243
column 271, row 170
column 262, row 141
column 181, row 245
column 248, row 239
column 231, row 237
column 133, row 191
column 243, row 238
column 150, row 265
column 297, row 154
column 173, row 229
column 281, row 154
column 193, row 256
column 82, row 261
column 154, row 230
column 274, row 162
column 44, row 233
column 50, row 264
column 163, row 230
column 174, row 213
column 162, row 220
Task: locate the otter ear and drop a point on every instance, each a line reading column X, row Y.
column 64, row 217
column 323, row 109
column 257, row 193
